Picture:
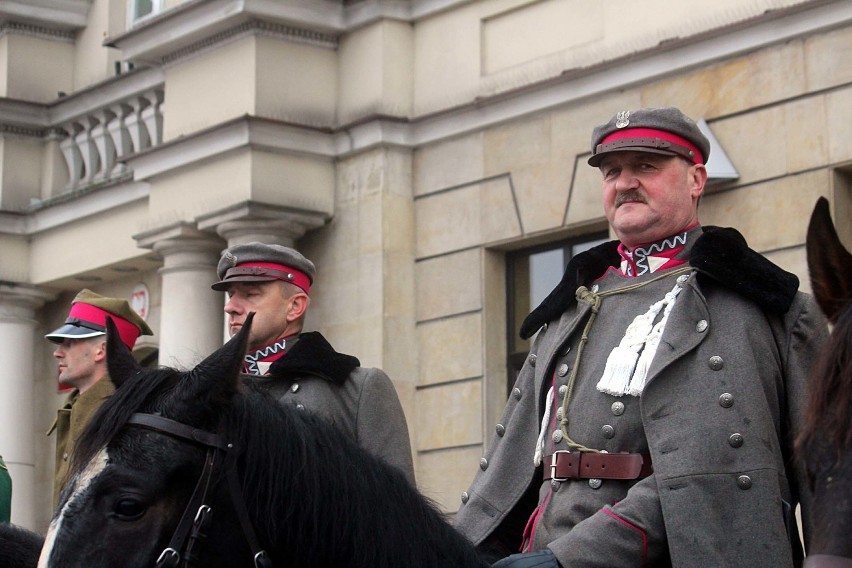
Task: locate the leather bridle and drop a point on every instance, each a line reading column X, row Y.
column 181, row 550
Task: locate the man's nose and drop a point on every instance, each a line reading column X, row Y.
column 232, row 306
column 626, row 180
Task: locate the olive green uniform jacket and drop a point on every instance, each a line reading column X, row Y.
column 722, row 403
column 361, row 402
column 71, row 419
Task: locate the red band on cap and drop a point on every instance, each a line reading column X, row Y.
column 300, row 279
column 127, row 331
column 698, row 157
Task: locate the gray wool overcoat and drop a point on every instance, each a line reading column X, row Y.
column 733, row 361
column 362, row 402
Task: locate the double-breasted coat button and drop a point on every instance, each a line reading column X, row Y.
column 560, row 413
column 465, row 496
column 563, row 370
column 595, row 288
column 682, row 278
column 736, row 440
column 744, row 482
column 726, row 400
column 701, row 326
column 300, row 406
column 618, row 408
column 557, row 436
column 716, row 363
column 295, row 387
column 483, row 464
column 500, row 430
column 554, row 485
column 532, row 359
column 516, row 392
column 607, row 431
column 563, row 389
column 595, row 483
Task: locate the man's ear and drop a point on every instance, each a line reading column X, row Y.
column 698, row 180
column 100, row 351
column 299, row 303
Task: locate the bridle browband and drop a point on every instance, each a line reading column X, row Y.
column 196, row 515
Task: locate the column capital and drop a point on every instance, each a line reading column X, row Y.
column 251, row 221
column 20, row 301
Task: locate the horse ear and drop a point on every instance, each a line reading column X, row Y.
column 120, row 362
column 829, row 263
column 228, row 359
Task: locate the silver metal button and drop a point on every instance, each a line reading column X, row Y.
column 595, row 483
column 65, row 456
column 557, row 436
column 464, row 496
column 701, row 326
column 563, row 370
column 554, row 485
column 716, row 363
column 532, row 359
column 560, row 413
column 595, row 288
column 295, row 387
column 618, row 408
column 607, row 431
column 682, row 278
column 563, row 390
column 516, row 392
column 736, row 440
column 544, row 327
column 726, row 400
column 744, row 482
column 300, row 406
column 500, row 430
column 483, row 464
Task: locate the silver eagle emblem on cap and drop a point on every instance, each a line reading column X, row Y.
column 230, row 258
column 622, row 119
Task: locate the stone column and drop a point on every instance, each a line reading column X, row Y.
column 18, row 304
column 191, row 316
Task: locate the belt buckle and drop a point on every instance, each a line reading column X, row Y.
column 553, row 459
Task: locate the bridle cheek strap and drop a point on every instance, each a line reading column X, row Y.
column 197, row 512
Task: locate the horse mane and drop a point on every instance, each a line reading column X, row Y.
column 314, row 496
column 827, row 416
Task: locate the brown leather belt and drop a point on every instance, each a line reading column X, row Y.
column 563, row 465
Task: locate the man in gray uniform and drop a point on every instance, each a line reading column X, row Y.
column 652, row 422
column 301, row 368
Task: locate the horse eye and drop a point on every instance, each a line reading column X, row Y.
column 128, row 509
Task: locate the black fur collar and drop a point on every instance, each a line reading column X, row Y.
column 719, row 255
column 312, row 354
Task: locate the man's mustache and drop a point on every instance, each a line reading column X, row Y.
column 631, row 195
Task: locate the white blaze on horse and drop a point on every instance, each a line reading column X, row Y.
column 825, row 445
column 196, row 469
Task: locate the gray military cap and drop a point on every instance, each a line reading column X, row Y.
column 656, row 130
column 260, row 262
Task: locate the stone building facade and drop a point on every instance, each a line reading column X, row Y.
column 422, row 152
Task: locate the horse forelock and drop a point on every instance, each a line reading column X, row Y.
column 139, row 393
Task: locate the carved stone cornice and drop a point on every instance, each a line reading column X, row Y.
column 254, row 27
column 33, row 30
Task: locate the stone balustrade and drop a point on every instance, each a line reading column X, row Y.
column 93, row 144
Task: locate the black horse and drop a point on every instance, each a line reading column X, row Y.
column 826, row 441
column 195, row 469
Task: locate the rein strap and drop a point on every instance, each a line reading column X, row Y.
column 197, row 510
